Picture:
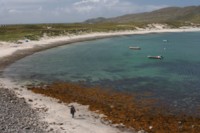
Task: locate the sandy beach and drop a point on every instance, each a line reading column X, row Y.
column 50, row 110
column 11, row 51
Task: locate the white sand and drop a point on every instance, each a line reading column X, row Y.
column 57, row 114
column 9, row 48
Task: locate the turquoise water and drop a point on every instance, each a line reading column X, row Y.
column 110, row 63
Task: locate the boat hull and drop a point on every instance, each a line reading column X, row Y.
column 135, row 48
column 155, row 57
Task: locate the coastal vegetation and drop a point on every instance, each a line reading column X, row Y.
column 123, row 108
column 173, row 17
column 36, row 31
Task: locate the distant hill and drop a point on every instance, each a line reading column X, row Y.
column 190, row 14
column 96, row 20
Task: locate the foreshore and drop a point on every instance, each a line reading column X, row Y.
column 53, row 112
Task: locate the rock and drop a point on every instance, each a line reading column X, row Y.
column 27, row 128
column 16, row 88
column 51, row 129
column 62, row 128
column 150, row 127
column 141, row 131
column 30, row 100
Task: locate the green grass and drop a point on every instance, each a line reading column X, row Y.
column 16, row 32
column 36, row 31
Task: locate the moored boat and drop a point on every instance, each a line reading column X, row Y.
column 134, row 48
column 165, row 40
column 155, row 57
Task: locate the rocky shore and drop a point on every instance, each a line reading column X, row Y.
column 16, row 116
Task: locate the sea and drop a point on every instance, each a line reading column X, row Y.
column 110, row 63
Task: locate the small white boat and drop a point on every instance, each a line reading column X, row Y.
column 134, row 48
column 165, row 40
column 155, row 57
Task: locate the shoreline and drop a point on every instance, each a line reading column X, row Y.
column 56, row 114
column 14, row 52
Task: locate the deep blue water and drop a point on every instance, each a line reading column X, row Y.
column 110, row 63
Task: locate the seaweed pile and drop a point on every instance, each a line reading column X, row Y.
column 122, row 108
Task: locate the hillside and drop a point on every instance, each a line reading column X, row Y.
column 190, row 14
column 173, row 17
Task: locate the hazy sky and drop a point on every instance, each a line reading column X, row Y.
column 61, row 11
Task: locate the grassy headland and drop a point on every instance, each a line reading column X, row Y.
column 36, row 31
column 123, row 108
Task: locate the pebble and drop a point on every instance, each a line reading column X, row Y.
column 17, row 116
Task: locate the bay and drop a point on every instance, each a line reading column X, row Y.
column 111, row 64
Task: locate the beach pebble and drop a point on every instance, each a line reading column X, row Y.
column 17, row 116
column 150, row 127
column 141, row 131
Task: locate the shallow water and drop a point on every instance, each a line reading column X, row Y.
column 110, row 63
